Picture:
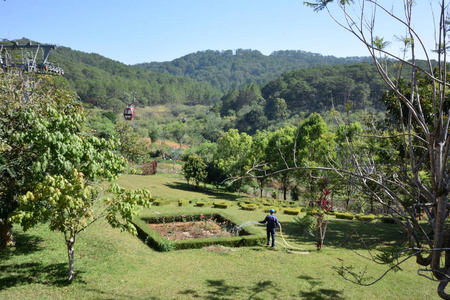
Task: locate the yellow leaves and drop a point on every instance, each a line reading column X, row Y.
column 30, row 196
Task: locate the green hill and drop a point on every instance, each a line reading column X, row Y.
column 225, row 70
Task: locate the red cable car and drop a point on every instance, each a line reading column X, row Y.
column 129, row 113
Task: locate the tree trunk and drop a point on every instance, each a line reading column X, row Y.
column 71, row 254
column 6, row 237
column 439, row 237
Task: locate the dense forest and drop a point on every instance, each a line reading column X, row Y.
column 226, row 70
column 108, row 84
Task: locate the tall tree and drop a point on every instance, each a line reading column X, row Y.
column 233, row 157
column 280, row 155
column 314, row 147
column 421, row 177
column 194, row 168
column 41, row 133
column 260, row 142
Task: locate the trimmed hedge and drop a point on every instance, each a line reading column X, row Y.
column 292, row 211
column 156, row 241
column 160, row 201
column 312, row 211
column 267, row 208
column 365, row 217
column 250, row 206
column 202, row 203
column 222, row 204
column 346, row 216
column 183, row 202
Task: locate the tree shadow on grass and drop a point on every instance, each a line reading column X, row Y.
column 25, row 244
column 351, row 234
column 207, row 191
column 317, row 293
column 219, row 289
column 35, row 272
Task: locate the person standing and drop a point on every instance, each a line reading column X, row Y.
column 272, row 222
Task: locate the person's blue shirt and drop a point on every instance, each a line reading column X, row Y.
column 271, row 221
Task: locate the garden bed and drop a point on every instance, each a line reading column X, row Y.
column 192, row 230
column 165, row 233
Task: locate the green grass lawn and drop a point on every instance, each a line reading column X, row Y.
column 113, row 265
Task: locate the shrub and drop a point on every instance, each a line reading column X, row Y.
column 149, row 168
column 249, row 206
column 291, row 211
column 346, row 216
column 365, row 217
column 203, row 203
column 222, row 204
column 312, row 211
column 267, row 208
column 160, row 201
column 183, row 202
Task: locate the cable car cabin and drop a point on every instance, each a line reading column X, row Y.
column 129, row 113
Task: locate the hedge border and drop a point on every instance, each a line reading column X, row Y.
column 157, row 242
column 292, row 211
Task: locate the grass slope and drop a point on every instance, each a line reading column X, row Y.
column 112, row 265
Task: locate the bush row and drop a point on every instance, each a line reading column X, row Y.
column 270, row 202
column 292, row 210
column 345, row 215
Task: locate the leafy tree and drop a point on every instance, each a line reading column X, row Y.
column 194, row 168
column 131, row 146
column 49, row 163
column 347, row 140
column 72, row 205
column 233, row 155
column 260, row 143
column 280, row 155
column 276, row 109
column 41, row 134
column 314, row 147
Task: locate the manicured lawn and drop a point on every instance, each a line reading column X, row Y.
column 112, row 265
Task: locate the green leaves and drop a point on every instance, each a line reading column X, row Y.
column 194, row 168
column 71, row 206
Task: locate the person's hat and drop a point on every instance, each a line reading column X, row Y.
column 272, row 210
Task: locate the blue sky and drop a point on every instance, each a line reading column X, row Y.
column 138, row 31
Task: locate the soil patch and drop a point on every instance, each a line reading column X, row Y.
column 190, row 230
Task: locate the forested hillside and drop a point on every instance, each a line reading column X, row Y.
column 316, row 89
column 251, row 97
column 106, row 83
column 226, row 70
